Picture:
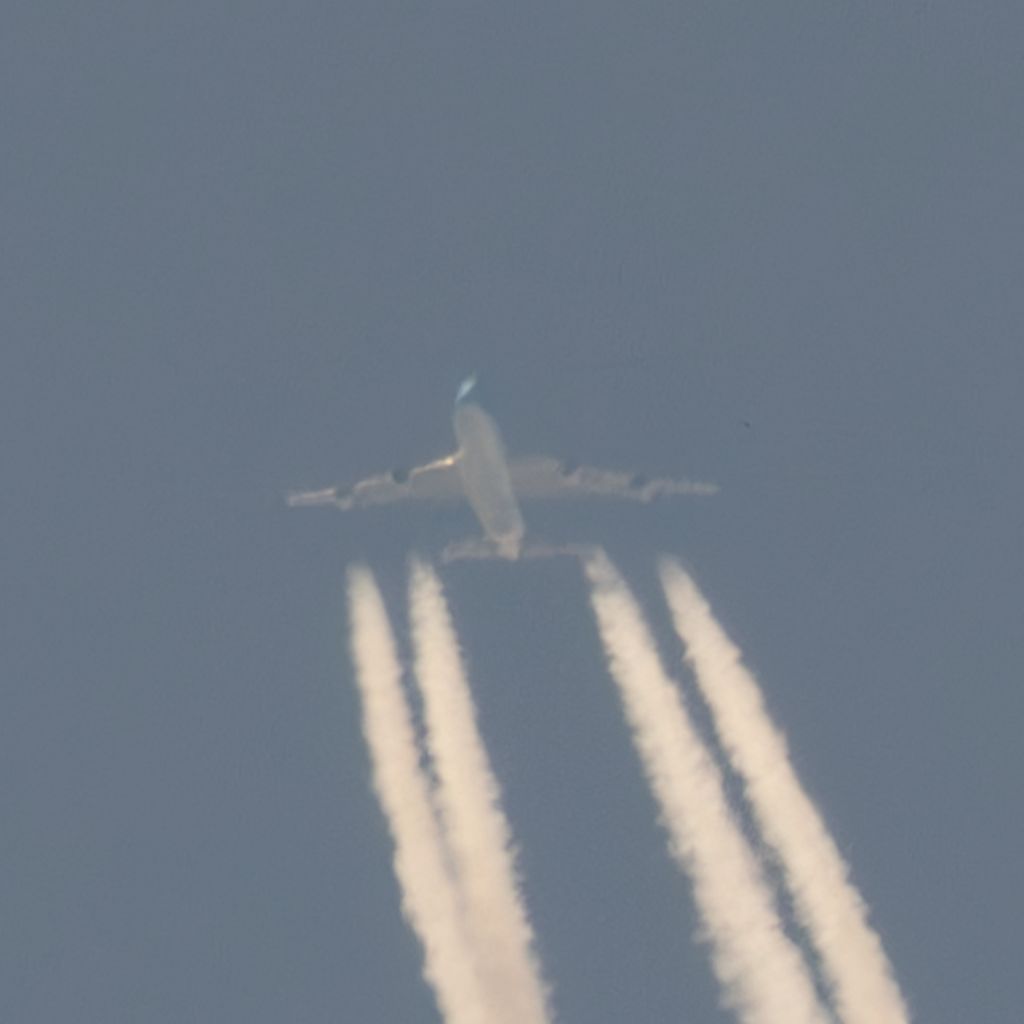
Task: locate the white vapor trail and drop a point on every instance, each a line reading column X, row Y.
column 762, row 974
column 825, row 901
column 469, row 800
column 430, row 900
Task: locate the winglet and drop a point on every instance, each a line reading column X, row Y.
column 329, row 496
column 465, row 388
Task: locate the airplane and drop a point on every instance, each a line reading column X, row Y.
column 479, row 472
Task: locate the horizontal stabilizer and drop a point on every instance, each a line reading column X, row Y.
column 481, row 549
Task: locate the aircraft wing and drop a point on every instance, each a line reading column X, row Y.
column 436, row 481
column 539, row 476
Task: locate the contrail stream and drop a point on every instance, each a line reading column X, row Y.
column 762, row 975
column 429, row 899
column 826, row 903
column 469, row 800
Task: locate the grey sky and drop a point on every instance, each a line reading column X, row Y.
column 254, row 247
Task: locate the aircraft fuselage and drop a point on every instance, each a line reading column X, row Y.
column 485, row 476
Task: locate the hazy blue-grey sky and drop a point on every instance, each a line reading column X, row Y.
column 254, row 246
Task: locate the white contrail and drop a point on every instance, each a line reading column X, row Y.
column 469, row 800
column 825, row 900
column 429, row 898
column 762, row 974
